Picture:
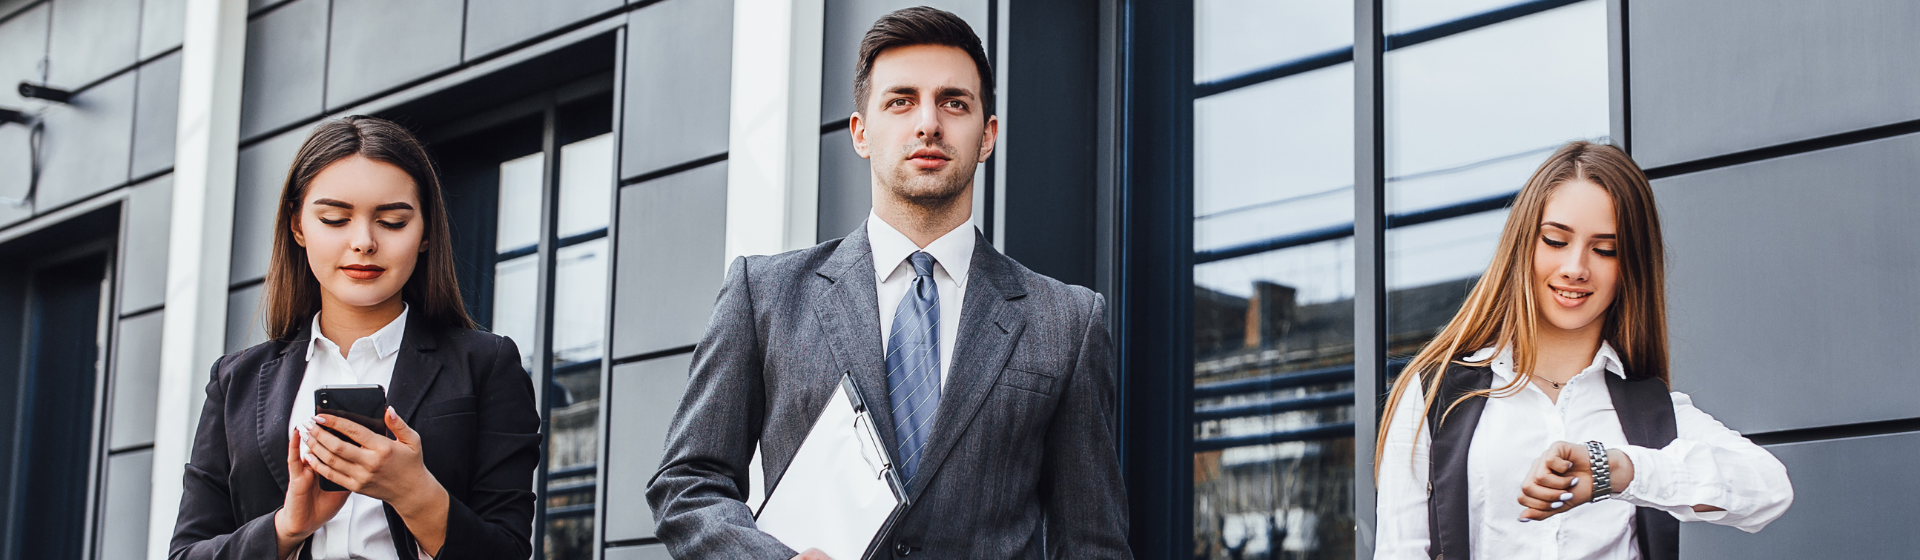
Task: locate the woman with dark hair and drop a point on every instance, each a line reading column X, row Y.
column 361, row 290
column 1562, row 347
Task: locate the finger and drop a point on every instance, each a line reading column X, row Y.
column 401, row 431
column 338, row 447
column 327, row 472
column 1551, row 480
column 353, row 430
column 1545, row 494
column 1559, row 466
column 1530, row 502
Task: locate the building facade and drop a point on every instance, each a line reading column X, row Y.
column 1279, row 200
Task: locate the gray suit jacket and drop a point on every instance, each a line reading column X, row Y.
column 1021, row 462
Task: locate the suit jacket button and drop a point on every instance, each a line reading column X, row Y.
column 902, row 549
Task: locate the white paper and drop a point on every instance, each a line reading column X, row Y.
column 834, row 496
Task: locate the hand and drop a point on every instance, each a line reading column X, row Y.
column 1561, row 479
column 389, row 470
column 306, row 507
column 813, row 554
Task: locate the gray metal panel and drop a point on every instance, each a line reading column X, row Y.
column 678, row 84
column 672, row 252
column 123, row 527
column 848, row 21
column 846, row 187
column 379, row 44
column 262, row 174
column 1712, row 77
column 23, row 43
column 1790, row 286
column 162, row 26
column 155, row 112
column 245, row 325
column 645, row 395
column 136, row 380
column 143, row 253
column 496, row 24
column 285, row 64
column 256, row 6
column 88, row 144
column 16, row 173
column 91, row 40
column 642, row 552
column 1851, row 500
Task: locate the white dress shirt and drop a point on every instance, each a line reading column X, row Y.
column 359, row 531
column 1707, row 464
column 893, row 273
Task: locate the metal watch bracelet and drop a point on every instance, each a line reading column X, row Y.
column 1602, row 477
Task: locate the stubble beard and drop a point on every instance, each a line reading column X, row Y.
column 930, row 193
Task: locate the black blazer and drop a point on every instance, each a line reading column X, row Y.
column 463, row 391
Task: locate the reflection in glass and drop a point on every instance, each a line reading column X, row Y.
column 1407, row 15
column 514, row 285
column 1469, row 117
column 1272, row 433
column 579, row 301
column 586, row 185
column 519, row 217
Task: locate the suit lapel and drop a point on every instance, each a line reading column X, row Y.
column 991, row 321
column 848, row 309
column 275, row 391
column 414, row 369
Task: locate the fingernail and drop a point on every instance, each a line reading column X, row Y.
column 1576, row 482
column 1525, row 520
column 1556, row 505
column 1564, row 496
column 319, row 420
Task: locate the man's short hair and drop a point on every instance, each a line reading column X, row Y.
column 920, row 26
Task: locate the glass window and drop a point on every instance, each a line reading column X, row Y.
column 1408, row 15
column 1273, row 293
column 519, row 218
column 586, row 185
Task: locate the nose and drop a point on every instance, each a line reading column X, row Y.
column 927, row 126
column 1573, row 267
column 362, row 241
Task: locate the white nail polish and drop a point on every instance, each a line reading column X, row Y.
column 1576, row 482
column 1556, row 505
column 1564, row 496
column 1525, row 520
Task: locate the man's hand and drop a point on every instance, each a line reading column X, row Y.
column 813, row 554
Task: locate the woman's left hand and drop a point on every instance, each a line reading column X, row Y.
column 1561, row 479
column 389, row 470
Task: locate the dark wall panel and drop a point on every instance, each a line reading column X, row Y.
column 143, row 250
column 1050, row 190
column 285, row 65
column 245, row 325
column 496, row 24
column 379, row 44
column 1849, row 502
column 1790, row 286
column 677, row 104
column 848, row 21
column 162, row 26
column 156, row 110
column 136, row 381
column 846, row 187
column 645, row 395
column 88, row 144
column 262, row 173
column 672, row 248
column 91, row 40
column 123, row 527
column 1713, row 77
column 643, row 552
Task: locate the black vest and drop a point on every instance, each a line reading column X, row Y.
column 1646, row 415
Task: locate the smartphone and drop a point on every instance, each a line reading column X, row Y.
column 365, row 405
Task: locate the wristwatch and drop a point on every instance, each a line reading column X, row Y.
column 1602, row 478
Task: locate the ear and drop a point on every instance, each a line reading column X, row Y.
column 989, row 136
column 299, row 237
column 857, row 126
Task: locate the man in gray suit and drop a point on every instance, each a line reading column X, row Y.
column 990, row 383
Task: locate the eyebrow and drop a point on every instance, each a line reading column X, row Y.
column 348, row 206
column 946, row 91
column 1569, row 229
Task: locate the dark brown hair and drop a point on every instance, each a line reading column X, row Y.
column 1501, row 311
column 292, row 294
column 920, row 26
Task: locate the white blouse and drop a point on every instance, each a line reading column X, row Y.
column 359, row 531
column 1707, row 464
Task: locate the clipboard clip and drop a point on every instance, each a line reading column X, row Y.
column 871, row 449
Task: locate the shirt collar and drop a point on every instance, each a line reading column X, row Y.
column 952, row 251
column 386, row 341
column 1502, row 364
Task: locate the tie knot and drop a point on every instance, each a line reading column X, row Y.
column 922, row 263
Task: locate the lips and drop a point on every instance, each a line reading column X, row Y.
column 928, row 158
column 1569, row 297
column 362, row 271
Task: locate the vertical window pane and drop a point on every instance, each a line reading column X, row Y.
column 1470, row 117
column 579, row 302
column 579, row 325
column 514, row 284
column 519, row 216
column 586, row 185
column 1272, row 298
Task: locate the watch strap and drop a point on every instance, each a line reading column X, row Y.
column 1602, row 475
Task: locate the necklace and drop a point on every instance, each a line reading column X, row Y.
column 1556, row 386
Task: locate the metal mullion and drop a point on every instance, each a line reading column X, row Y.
column 602, row 423
column 1619, row 74
column 1369, row 245
column 543, row 311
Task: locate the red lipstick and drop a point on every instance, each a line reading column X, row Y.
column 363, row 271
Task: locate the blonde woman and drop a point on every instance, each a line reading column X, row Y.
column 1539, row 423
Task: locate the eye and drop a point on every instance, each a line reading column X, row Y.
column 333, row 222
column 1604, row 252
column 1553, row 243
column 897, row 102
column 956, row 104
column 393, row 225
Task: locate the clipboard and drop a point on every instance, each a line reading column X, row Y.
column 841, row 493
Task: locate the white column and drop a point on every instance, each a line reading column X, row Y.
column 773, row 147
column 206, row 148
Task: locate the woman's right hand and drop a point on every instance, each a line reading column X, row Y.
column 306, row 507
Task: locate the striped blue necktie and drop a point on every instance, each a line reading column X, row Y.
column 913, row 365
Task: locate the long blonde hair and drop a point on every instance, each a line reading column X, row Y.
column 1501, row 310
